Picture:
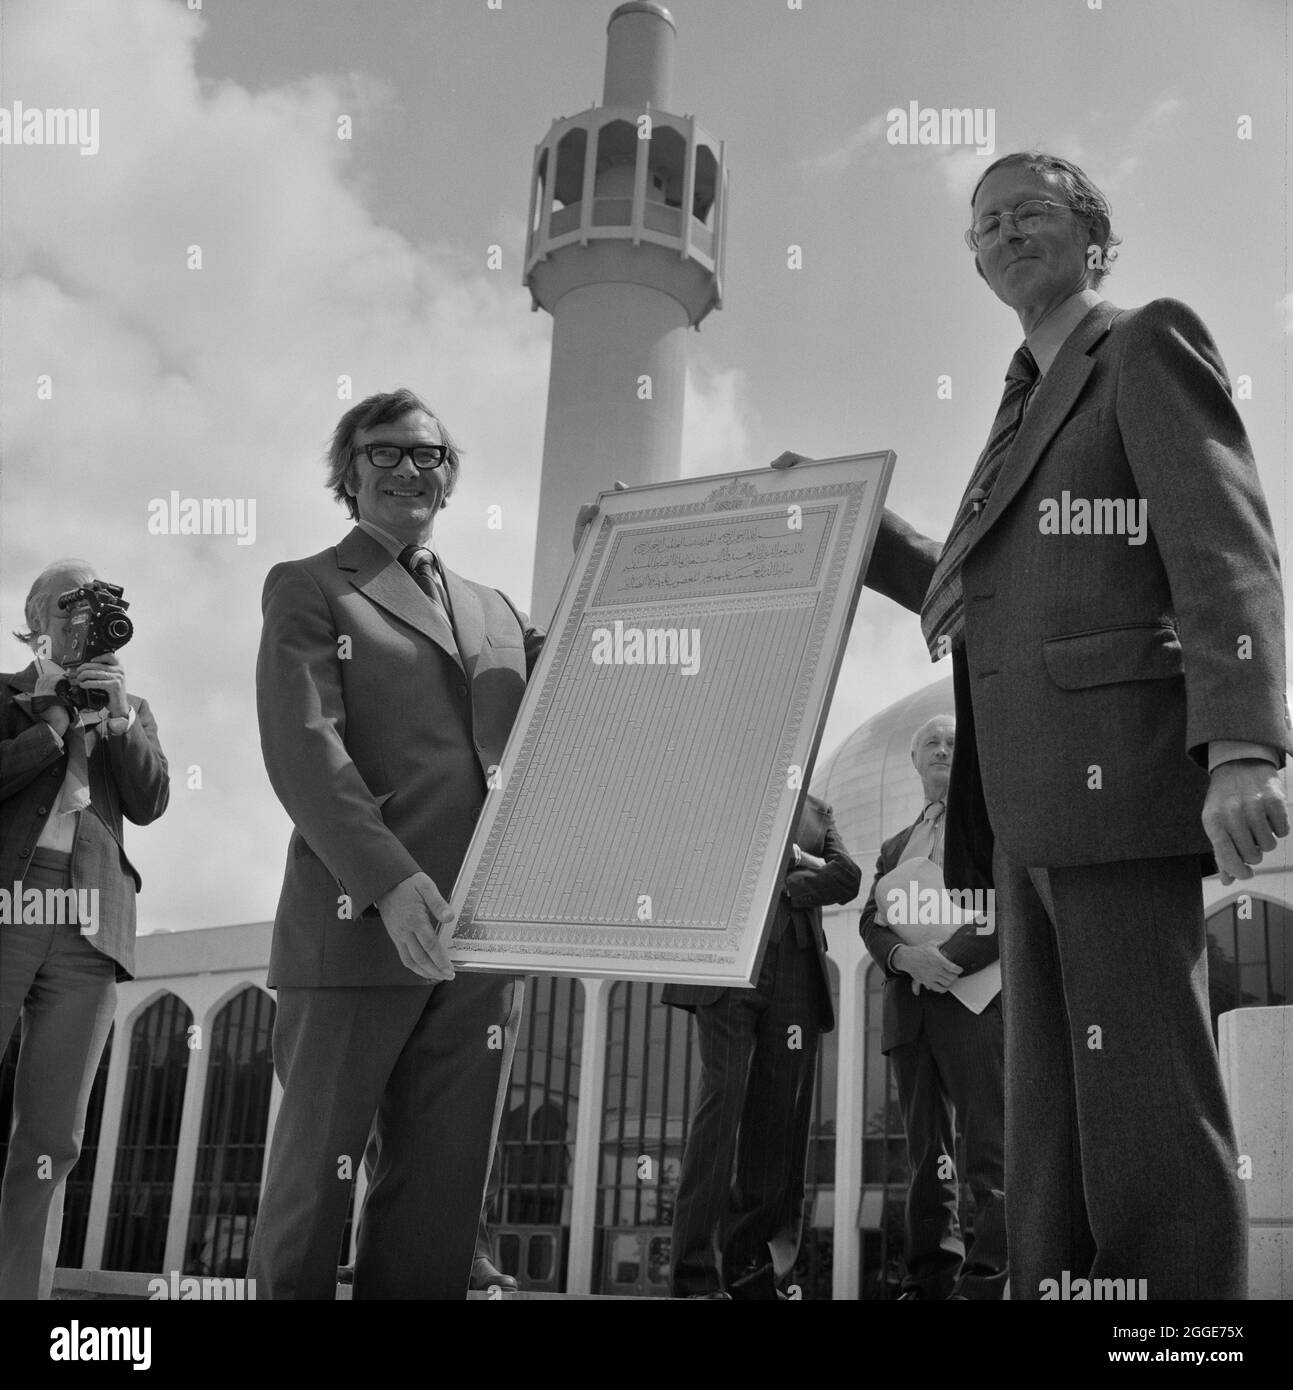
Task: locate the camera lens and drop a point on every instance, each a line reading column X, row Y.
column 118, row 630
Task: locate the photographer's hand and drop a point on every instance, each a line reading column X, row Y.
column 57, row 717
column 105, row 673
column 588, row 513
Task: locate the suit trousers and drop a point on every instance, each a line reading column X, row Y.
column 425, row 1069
column 953, row 1064
column 66, row 993
column 739, row 1212
column 1120, row 1155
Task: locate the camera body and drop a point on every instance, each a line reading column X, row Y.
column 98, row 624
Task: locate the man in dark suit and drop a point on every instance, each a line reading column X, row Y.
column 758, row 1050
column 1121, row 723
column 386, row 687
column 68, row 778
column 947, row 1062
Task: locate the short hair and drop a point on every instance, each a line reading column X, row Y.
column 380, row 409
column 1083, row 197
column 70, row 574
column 933, row 719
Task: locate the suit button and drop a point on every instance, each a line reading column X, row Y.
column 462, row 690
column 40, row 810
column 475, row 815
column 23, row 853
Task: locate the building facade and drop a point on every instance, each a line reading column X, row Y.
column 602, row 1089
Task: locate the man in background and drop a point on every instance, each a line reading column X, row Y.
column 738, row 1237
column 78, row 755
column 947, row 1062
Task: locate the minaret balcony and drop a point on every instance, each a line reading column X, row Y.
column 597, row 180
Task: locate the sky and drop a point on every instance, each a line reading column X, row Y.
column 131, row 369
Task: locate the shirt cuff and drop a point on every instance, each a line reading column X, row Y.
column 1228, row 750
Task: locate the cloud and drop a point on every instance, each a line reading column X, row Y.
column 718, row 420
column 225, row 381
column 839, row 156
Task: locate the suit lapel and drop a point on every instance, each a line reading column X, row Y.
column 900, row 846
column 24, row 681
column 1054, row 399
column 468, row 618
column 382, row 579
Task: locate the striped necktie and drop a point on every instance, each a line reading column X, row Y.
column 421, row 564
column 942, row 615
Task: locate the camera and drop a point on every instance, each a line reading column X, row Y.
column 98, row 624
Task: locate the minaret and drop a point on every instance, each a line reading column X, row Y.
column 625, row 251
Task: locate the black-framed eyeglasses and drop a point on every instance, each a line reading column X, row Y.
column 1027, row 216
column 424, row 456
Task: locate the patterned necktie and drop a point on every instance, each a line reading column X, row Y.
column 926, row 841
column 942, row 615
column 420, row 563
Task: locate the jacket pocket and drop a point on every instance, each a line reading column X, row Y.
column 1107, row 656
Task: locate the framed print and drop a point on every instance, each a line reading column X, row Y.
column 640, row 822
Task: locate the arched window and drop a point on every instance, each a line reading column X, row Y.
column 139, row 1205
column 702, row 207
column 1250, row 962
column 231, row 1148
column 652, row 1070
column 530, row 1221
column 541, row 178
column 617, row 144
column 568, row 183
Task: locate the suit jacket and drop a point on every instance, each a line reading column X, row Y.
column 378, row 738
column 1095, row 673
column 128, row 779
column 903, row 1009
column 799, row 904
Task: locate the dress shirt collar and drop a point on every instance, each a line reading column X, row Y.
column 386, row 540
column 1045, row 341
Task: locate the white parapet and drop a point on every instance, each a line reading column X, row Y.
column 1257, row 1067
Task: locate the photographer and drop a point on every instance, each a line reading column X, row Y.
column 77, row 753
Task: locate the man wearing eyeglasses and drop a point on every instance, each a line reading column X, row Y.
column 386, row 687
column 1110, row 596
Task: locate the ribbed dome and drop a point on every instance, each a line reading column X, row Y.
column 869, row 780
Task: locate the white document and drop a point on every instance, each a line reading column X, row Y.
column 913, row 902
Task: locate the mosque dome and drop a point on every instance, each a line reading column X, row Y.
column 869, row 780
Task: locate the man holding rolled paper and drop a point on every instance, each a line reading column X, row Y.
column 942, row 1032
